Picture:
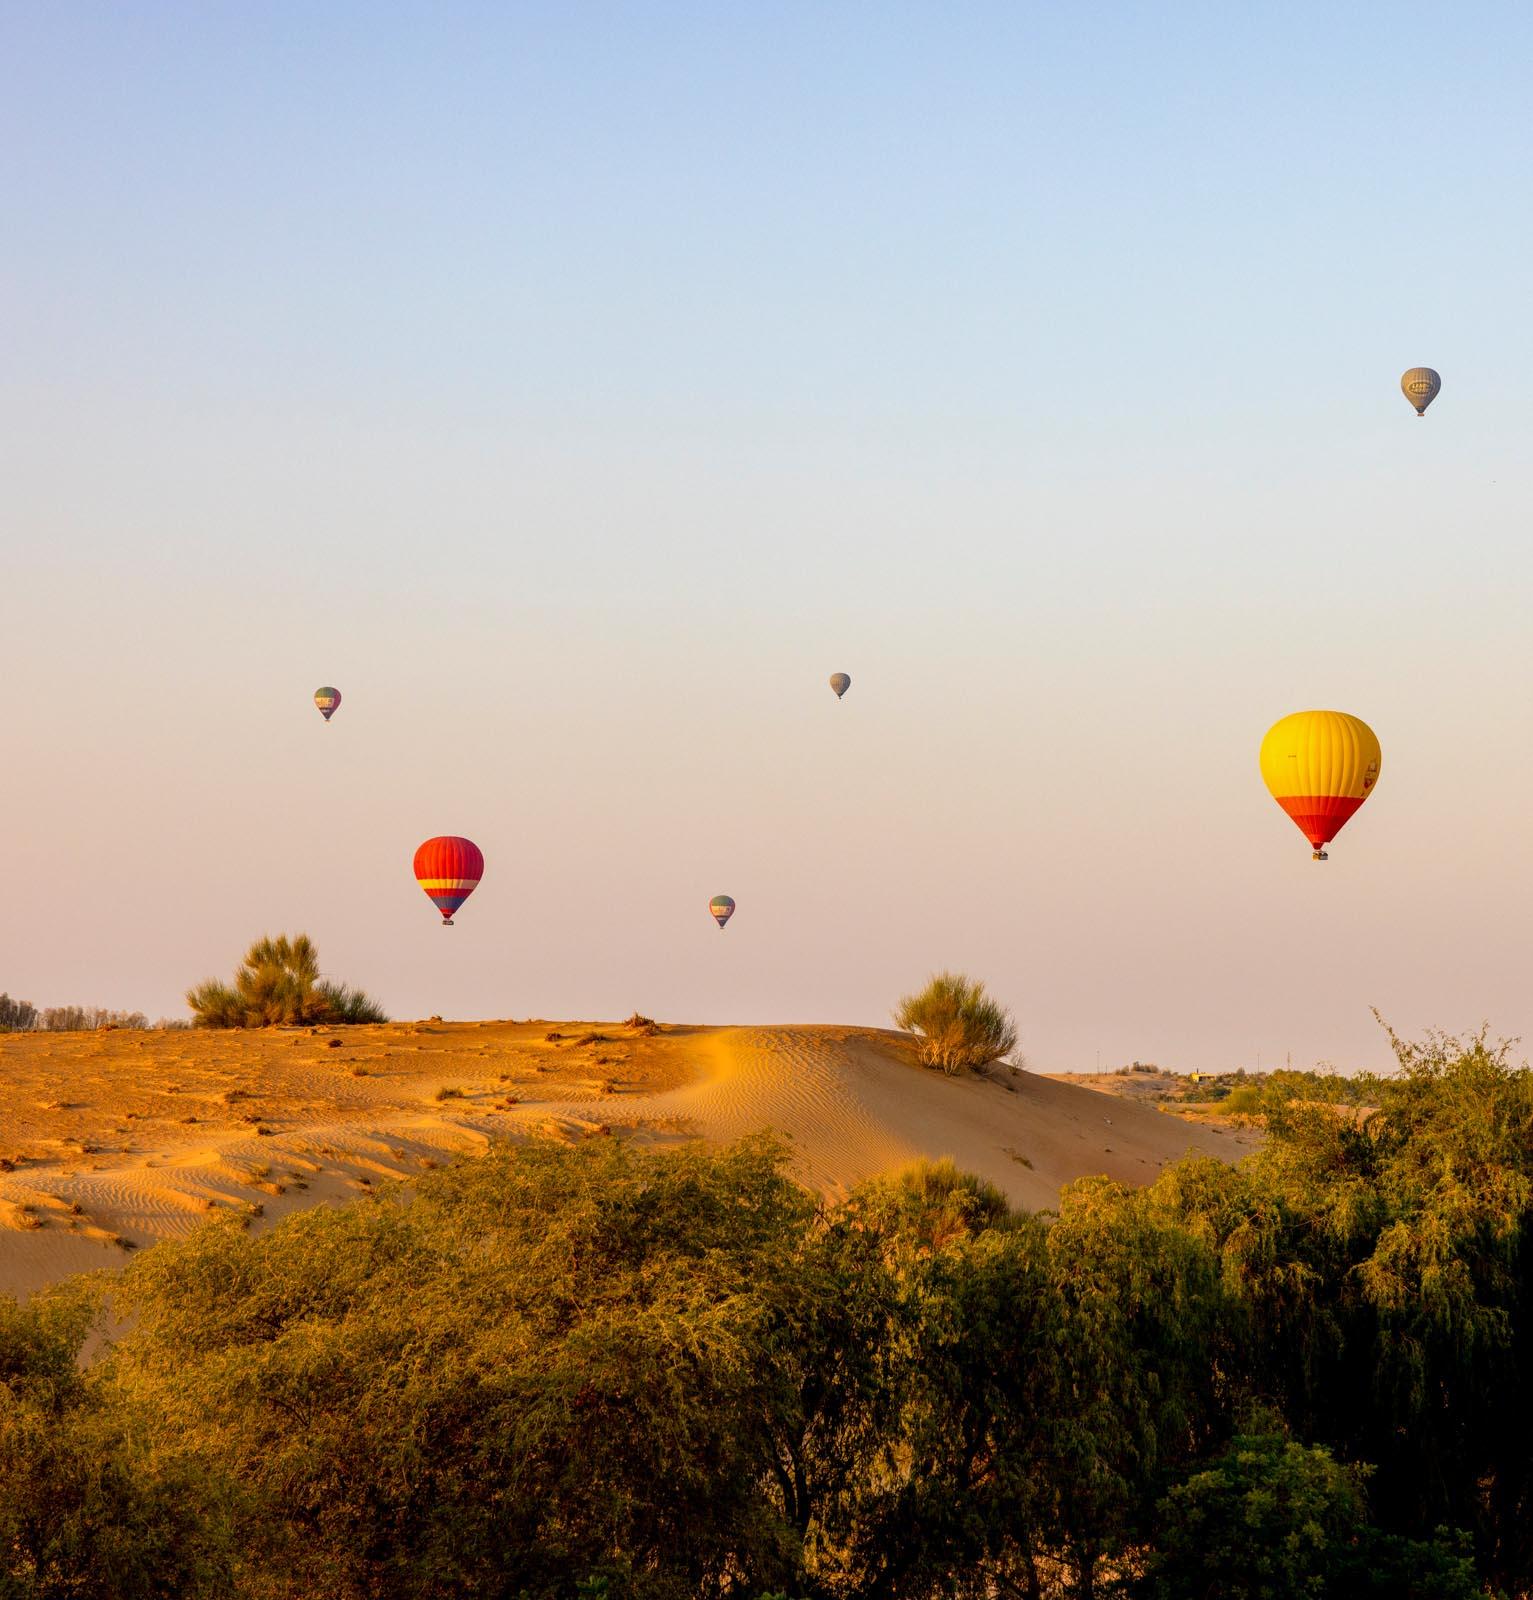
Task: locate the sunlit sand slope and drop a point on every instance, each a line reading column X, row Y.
column 109, row 1141
column 853, row 1102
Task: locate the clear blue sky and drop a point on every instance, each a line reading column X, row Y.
column 577, row 387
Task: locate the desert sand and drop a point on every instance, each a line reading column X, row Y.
column 111, row 1140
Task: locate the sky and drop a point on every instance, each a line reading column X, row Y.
column 577, row 387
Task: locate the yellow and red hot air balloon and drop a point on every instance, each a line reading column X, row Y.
column 327, row 699
column 448, row 869
column 1320, row 767
column 722, row 908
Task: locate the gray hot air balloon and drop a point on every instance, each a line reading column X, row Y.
column 840, row 682
column 1420, row 386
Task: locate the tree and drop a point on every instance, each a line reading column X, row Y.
column 16, row 1016
column 957, row 1023
column 279, row 982
column 1384, row 1260
column 1270, row 1519
column 84, row 1514
column 83, row 1019
column 547, row 1367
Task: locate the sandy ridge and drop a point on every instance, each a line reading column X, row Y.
column 110, row 1141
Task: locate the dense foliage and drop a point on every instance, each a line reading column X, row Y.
column 279, row 982
column 657, row 1376
column 956, row 1023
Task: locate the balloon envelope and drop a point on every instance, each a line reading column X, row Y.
column 1320, row 766
column 840, row 682
column 722, row 907
column 327, row 700
column 1420, row 386
column 448, row 869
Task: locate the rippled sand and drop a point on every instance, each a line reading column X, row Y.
column 111, row 1140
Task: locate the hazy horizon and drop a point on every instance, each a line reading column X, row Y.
column 577, row 391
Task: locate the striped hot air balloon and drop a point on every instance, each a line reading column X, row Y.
column 448, row 869
column 840, row 682
column 722, row 907
column 1420, row 386
column 327, row 700
column 1320, row 767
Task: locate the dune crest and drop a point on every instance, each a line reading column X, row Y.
column 854, row 1102
column 110, row 1141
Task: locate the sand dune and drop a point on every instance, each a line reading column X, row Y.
column 109, row 1141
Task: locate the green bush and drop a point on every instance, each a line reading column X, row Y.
column 957, row 1023
column 1244, row 1100
column 1272, row 1520
column 279, row 982
column 85, row 1513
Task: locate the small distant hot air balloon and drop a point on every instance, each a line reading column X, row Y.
column 1320, row 767
column 448, row 869
column 327, row 700
column 1420, row 386
column 722, row 907
column 840, row 682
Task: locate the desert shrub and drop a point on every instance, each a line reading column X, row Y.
column 278, row 982
column 1244, row 1100
column 957, row 1023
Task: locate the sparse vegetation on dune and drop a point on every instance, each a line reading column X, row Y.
column 279, row 983
column 956, row 1023
column 654, row 1375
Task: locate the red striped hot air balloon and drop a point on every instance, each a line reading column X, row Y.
column 722, row 908
column 448, row 869
column 327, row 699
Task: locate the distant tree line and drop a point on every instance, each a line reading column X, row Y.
column 610, row 1371
column 21, row 1016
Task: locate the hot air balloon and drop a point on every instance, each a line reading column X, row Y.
column 327, row 700
column 448, row 869
column 1420, row 386
column 722, row 907
column 1320, row 767
column 840, row 682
